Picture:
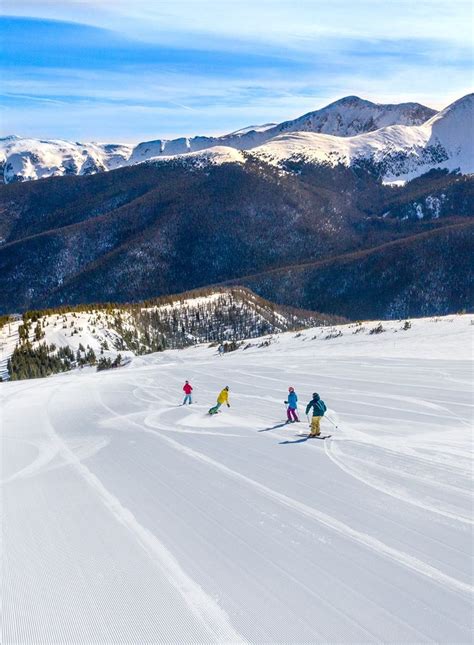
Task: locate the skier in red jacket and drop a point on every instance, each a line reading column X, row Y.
column 187, row 389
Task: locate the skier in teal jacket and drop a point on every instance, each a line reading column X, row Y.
column 319, row 408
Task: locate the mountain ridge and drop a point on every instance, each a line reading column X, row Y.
column 180, row 222
column 30, row 159
column 396, row 152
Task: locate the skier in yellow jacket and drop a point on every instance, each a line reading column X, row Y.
column 221, row 399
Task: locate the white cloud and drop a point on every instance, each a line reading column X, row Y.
column 289, row 23
column 378, row 49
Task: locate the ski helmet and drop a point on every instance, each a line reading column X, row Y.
column 316, row 396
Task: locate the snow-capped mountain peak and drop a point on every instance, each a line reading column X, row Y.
column 352, row 115
column 402, row 141
column 454, row 126
column 399, row 152
column 24, row 159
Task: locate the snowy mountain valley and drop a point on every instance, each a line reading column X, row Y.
column 131, row 518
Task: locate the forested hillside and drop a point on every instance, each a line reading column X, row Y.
column 104, row 336
column 426, row 274
column 152, row 230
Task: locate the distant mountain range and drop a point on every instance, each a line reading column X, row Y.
column 26, row 159
column 377, row 224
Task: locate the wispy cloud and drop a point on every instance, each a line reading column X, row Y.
column 129, row 71
column 290, row 23
column 25, row 97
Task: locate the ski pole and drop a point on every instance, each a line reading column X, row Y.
column 334, row 424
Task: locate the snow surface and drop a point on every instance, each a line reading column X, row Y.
column 130, row 519
column 254, row 128
column 90, row 329
column 210, row 157
column 190, row 302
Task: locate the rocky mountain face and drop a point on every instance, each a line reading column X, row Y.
column 29, row 159
column 351, row 116
column 24, row 159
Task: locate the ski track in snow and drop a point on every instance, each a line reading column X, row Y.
column 131, row 518
column 199, row 603
column 377, row 546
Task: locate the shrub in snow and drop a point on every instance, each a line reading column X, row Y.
column 231, row 346
column 107, row 363
column 333, row 334
column 377, row 330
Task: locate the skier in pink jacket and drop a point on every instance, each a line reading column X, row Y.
column 187, row 389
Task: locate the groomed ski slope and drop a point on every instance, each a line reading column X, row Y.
column 129, row 519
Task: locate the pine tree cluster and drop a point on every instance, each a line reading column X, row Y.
column 107, row 363
column 35, row 362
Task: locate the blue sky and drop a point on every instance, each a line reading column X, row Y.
column 116, row 70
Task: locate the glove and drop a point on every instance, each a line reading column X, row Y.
column 286, row 402
column 228, row 405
